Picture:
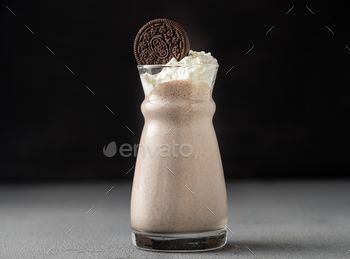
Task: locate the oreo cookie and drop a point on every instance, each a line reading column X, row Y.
column 160, row 40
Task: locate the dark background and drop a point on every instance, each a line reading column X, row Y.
column 282, row 111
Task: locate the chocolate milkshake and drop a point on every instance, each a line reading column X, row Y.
column 183, row 192
column 178, row 200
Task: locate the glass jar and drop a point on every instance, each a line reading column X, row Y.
column 178, row 198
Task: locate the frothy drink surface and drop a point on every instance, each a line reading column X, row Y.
column 178, row 184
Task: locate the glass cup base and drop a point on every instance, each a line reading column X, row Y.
column 186, row 242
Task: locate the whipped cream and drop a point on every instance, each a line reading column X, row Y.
column 198, row 67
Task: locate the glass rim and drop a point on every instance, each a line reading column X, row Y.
column 175, row 65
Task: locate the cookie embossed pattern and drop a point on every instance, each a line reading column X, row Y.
column 160, row 40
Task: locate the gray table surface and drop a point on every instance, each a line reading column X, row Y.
column 271, row 220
